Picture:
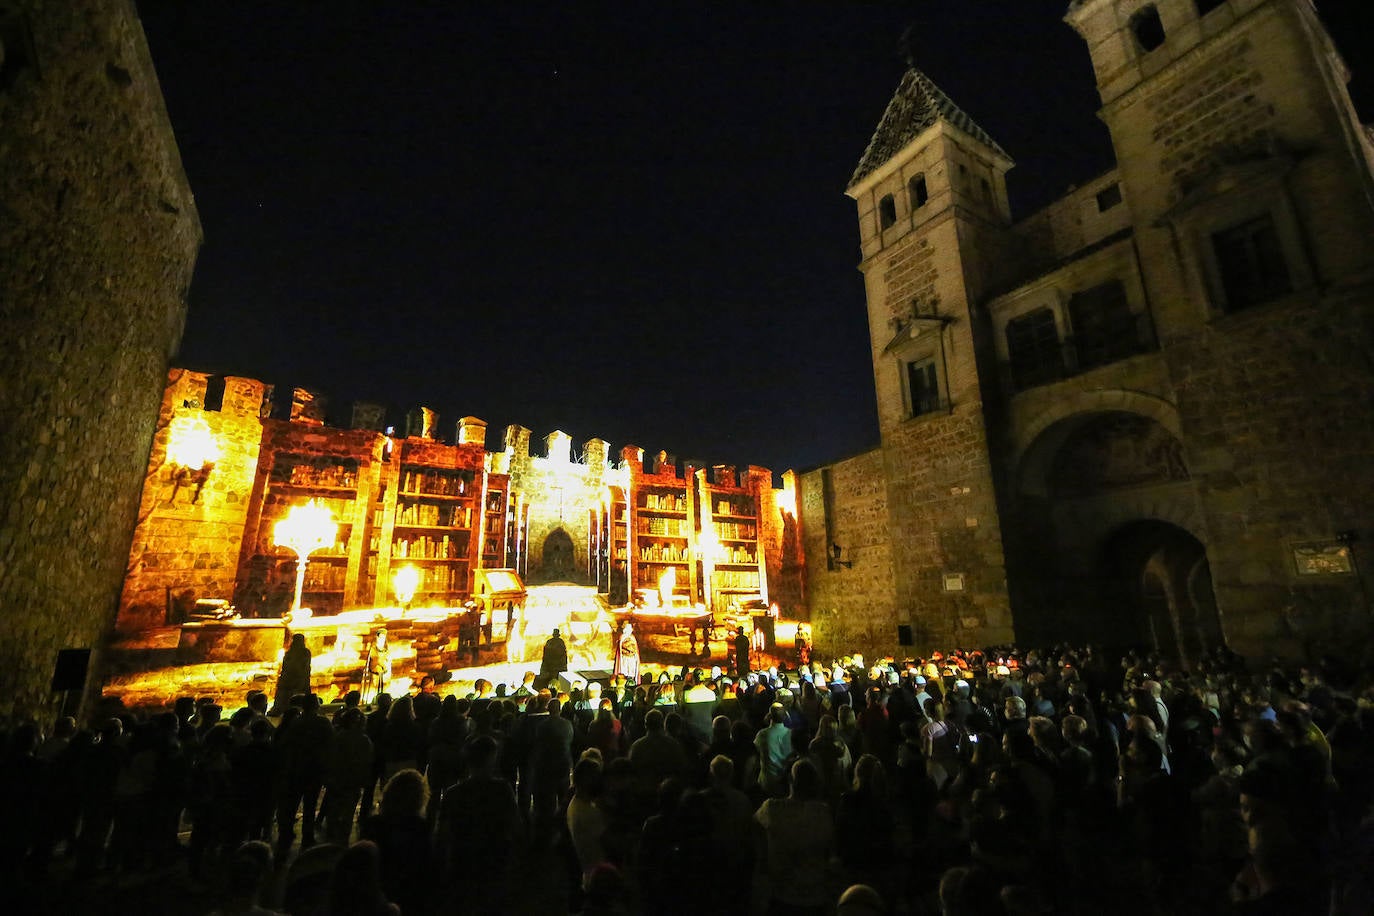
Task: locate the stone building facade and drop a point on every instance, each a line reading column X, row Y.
column 1146, row 413
column 98, row 238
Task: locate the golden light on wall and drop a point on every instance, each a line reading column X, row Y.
column 304, row 530
column 711, row 548
column 192, row 451
column 666, row 583
column 405, row 582
column 786, row 500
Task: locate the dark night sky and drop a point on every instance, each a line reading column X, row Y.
column 624, row 221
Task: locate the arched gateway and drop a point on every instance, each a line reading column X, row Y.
column 1111, row 547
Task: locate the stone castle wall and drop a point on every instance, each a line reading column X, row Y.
column 1280, row 439
column 851, row 607
column 98, row 238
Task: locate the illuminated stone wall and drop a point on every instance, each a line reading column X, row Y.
column 98, row 238
column 780, row 538
column 560, row 491
column 850, row 607
column 187, row 545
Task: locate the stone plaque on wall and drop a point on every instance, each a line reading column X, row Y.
column 1323, row 558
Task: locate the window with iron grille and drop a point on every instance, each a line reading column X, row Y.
column 1104, row 329
column 1033, row 349
column 1250, row 263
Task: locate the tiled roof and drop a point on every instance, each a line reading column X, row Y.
column 917, row 105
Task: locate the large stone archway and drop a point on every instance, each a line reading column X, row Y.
column 1109, row 540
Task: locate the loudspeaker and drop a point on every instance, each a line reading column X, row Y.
column 69, row 673
column 904, row 634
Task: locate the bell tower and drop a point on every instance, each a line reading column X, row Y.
column 931, row 194
column 933, row 222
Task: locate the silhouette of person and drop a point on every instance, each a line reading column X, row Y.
column 742, row 647
column 555, row 658
column 294, row 677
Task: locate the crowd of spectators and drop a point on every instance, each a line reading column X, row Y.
column 984, row 782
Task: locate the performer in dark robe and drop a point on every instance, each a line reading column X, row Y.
column 295, row 674
column 742, row 646
column 627, row 654
column 555, row 658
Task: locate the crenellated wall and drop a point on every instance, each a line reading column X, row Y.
column 186, row 544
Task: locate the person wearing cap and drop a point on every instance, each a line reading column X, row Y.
column 922, row 694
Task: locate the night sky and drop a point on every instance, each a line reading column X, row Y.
column 624, row 221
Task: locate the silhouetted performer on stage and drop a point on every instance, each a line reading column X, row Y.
column 742, row 646
column 295, row 674
column 555, row 658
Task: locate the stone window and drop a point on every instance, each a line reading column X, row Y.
column 1033, row 352
column 986, row 189
column 923, row 386
column 1250, row 263
column 916, row 188
column 887, row 212
column 1147, row 28
column 1104, row 329
column 1108, row 197
column 1206, row 6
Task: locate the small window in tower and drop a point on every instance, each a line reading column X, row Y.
column 986, row 189
column 1108, row 197
column 1148, row 28
column 887, row 211
column 917, row 189
column 1250, row 263
column 923, row 386
column 1206, row 6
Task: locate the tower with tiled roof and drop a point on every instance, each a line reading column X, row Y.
column 933, row 228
